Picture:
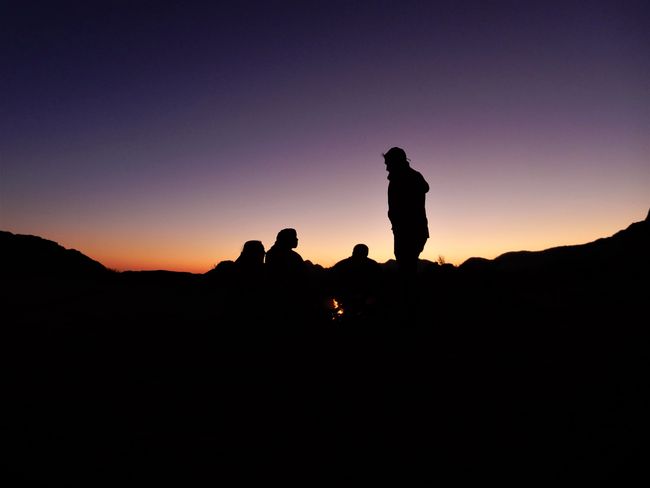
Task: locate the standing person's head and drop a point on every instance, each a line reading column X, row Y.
column 395, row 159
column 287, row 238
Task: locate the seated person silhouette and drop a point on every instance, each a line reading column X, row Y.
column 357, row 281
column 287, row 274
column 249, row 266
column 244, row 282
column 281, row 259
column 251, row 259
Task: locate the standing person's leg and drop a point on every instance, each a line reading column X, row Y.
column 407, row 250
column 406, row 255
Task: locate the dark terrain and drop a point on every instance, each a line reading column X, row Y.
column 527, row 370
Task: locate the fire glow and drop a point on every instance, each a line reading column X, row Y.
column 336, row 309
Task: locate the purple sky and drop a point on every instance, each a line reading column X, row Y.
column 165, row 134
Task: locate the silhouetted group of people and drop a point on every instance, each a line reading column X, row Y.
column 280, row 262
column 356, row 279
column 280, row 275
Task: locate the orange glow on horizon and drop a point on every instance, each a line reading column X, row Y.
column 195, row 237
column 142, row 258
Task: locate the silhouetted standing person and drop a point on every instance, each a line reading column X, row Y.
column 407, row 190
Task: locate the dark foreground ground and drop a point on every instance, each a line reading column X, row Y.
column 516, row 380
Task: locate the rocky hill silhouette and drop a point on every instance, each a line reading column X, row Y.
column 28, row 255
column 627, row 249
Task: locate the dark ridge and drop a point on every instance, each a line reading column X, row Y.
column 28, row 255
column 475, row 263
column 159, row 277
column 627, row 248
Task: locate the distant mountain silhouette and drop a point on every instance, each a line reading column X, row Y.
column 424, row 266
column 28, row 255
column 33, row 255
column 626, row 249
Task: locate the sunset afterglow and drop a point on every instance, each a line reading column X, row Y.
column 163, row 135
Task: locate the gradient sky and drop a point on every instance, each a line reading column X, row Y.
column 162, row 135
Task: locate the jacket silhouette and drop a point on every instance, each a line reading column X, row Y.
column 288, row 280
column 281, row 259
column 407, row 190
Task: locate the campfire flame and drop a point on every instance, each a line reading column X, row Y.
column 336, row 309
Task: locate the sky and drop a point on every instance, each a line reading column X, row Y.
column 163, row 135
